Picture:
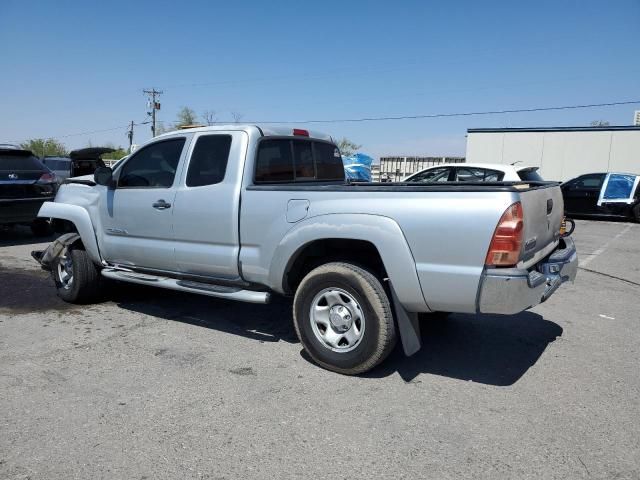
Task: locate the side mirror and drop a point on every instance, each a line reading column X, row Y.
column 103, row 176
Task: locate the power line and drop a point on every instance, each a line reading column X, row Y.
column 399, row 117
column 89, row 132
column 457, row 114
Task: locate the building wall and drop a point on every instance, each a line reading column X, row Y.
column 561, row 155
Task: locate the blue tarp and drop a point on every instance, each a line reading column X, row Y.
column 357, row 167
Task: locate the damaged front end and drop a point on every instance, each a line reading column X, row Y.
column 46, row 257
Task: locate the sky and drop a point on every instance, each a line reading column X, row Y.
column 73, row 67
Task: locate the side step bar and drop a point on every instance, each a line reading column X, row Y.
column 219, row 291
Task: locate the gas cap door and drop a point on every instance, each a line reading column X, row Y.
column 297, row 210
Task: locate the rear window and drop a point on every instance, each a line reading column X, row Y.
column 18, row 162
column 293, row 160
column 57, row 164
column 530, row 176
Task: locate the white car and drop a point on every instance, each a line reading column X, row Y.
column 475, row 172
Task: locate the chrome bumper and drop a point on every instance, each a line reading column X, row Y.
column 512, row 290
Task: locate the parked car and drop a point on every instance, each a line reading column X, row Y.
column 25, row 184
column 603, row 194
column 475, row 172
column 244, row 212
column 80, row 162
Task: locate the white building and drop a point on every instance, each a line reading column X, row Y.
column 561, row 153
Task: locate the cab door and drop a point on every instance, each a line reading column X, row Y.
column 136, row 216
column 581, row 194
column 207, row 206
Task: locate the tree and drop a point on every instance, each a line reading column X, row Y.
column 161, row 128
column 600, row 123
column 186, row 116
column 45, row 147
column 209, row 117
column 117, row 154
column 236, row 117
column 347, row 147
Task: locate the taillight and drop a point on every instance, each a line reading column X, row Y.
column 301, row 132
column 47, row 178
column 506, row 243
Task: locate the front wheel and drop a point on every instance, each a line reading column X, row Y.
column 76, row 277
column 343, row 318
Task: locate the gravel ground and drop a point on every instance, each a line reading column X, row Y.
column 156, row 384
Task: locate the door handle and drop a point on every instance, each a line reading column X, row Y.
column 161, row 205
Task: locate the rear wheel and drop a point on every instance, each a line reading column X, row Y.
column 343, row 318
column 636, row 213
column 76, row 277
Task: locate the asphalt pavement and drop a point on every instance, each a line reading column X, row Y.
column 153, row 384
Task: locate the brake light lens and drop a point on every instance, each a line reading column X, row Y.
column 504, row 250
column 301, row 132
column 47, row 178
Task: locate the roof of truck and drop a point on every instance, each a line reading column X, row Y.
column 266, row 130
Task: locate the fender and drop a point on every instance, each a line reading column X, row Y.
column 80, row 218
column 383, row 232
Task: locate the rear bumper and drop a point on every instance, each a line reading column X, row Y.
column 512, row 290
column 20, row 210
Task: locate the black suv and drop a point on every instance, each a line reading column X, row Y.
column 25, row 184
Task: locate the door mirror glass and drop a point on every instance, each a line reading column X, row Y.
column 103, row 176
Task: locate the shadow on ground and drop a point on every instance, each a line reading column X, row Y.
column 490, row 349
column 266, row 323
column 20, row 235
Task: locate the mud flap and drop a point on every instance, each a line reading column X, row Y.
column 46, row 257
column 408, row 326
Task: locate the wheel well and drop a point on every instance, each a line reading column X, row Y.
column 319, row 252
column 63, row 226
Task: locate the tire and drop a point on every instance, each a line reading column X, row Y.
column 83, row 285
column 636, row 213
column 41, row 228
column 344, row 295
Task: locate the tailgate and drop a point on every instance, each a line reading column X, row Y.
column 543, row 209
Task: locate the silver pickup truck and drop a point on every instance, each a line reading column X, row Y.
column 243, row 212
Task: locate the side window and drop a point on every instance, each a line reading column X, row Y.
column 209, row 159
column 153, row 166
column 274, row 162
column 471, row 174
column 493, row 176
column 590, row 182
column 432, row 176
column 619, row 187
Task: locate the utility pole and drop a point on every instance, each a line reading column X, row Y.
column 130, row 135
column 154, row 105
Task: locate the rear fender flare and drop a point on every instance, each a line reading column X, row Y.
column 383, row 232
column 82, row 221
